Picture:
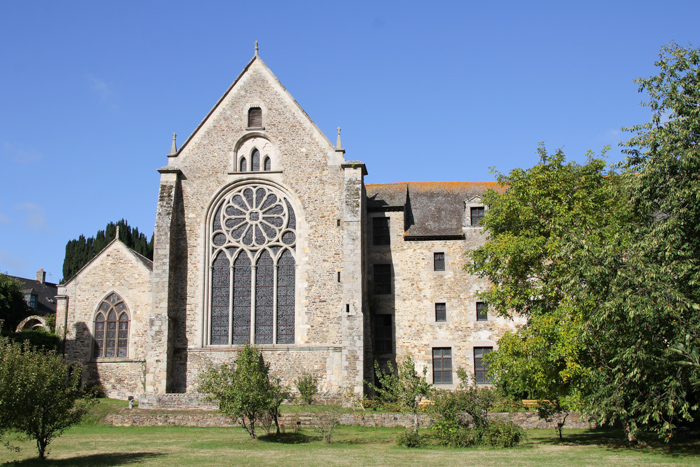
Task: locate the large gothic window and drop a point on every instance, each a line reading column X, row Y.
column 253, row 243
column 112, row 328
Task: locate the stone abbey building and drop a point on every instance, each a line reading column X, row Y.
column 266, row 234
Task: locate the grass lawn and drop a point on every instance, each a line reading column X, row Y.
column 95, row 444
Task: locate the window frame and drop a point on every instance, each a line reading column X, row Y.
column 482, row 313
column 255, row 112
column 445, row 374
column 480, row 369
column 437, row 262
column 478, row 217
column 238, row 322
column 383, row 334
column 381, row 231
column 383, row 271
column 440, row 312
column 122, row 315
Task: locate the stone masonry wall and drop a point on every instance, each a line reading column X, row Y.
column 417, row 287
column 306, row 166
column 526, row 420
column 115, row 269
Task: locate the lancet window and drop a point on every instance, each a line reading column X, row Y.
column 253, row 244
column 111, row 328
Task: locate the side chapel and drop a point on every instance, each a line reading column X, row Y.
column 266, row 234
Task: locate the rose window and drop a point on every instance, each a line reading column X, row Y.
column 253, row 238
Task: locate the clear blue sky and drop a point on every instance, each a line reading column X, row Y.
column 91, row 91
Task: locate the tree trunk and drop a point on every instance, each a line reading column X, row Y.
column 631, row 438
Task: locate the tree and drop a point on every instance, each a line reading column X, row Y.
column 245, row 389
column 13, row 306
column 402, row 386
column 81, row 250
column 611, row 279
column 39, row 393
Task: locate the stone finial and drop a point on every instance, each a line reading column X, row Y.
column 173, row 147
column 256, row 48
column 116, row 235
column 338, row 145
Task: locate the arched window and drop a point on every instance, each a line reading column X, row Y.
column 255, row 161
column 253, row 237
column 255, row 117
column 267, row 166
column 243, row 165
column 112, row 328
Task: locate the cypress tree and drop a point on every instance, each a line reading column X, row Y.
column 81, row 250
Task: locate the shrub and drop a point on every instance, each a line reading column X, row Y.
column 37, row 339
column 307, row 385
column 328, row 418
column 245, row 390
column 409, row 439
column 502, row 434
column 454, row 434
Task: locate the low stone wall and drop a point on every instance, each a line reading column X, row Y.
column 185, row 401
column 138, row 417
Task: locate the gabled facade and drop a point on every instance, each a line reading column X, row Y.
column 266, row 234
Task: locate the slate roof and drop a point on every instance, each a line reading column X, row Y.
column 432, row 209
column 46, row 294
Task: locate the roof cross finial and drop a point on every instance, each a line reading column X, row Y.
column 173, row 147
column 256, row 48
column 338, row 145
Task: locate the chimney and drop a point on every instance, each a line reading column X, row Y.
column 41, row 276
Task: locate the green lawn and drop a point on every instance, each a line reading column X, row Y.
column 95, row 444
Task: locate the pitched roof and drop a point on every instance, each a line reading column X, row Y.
column 432, row 209
column 45, row 292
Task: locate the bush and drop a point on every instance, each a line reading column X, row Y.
column 502, row 434
column 37, row 339
column 454, row 434
column 39, row 393
column 307, row 385
column 409, row 439
column 327, row 419
column 245, row 389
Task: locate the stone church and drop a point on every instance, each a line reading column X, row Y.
column 266, row 234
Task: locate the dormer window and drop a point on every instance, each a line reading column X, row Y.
column 255, row 117
column 476, row 214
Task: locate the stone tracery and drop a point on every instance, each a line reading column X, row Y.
column 253, row 239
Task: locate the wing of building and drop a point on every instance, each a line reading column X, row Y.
column 266, row 234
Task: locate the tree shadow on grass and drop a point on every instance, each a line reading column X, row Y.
column 110, row 458
column 614, row 439
column 288, row 438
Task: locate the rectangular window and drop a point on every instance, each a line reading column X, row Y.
column 382, row 279
column 481, row 313
column 440, row 312
column 380, row 229
column 383, row 334
column 476, row 215
column 481, row 368
column 442, row 365
column 438, row 261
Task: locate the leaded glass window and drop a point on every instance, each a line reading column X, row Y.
column 255, row 161
column 111, row 330
column 439, row 261
column 440, row 312
column 244, row 165
column 267, row 165
column 252, row 271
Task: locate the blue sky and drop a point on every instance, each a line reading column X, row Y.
column 90, row 92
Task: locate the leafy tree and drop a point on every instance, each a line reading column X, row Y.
column 13, row 306
column 307, row 385
column 81, row 250
column 39, row 393
column 610, row 282
column 402, row 386
column 245, row 389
